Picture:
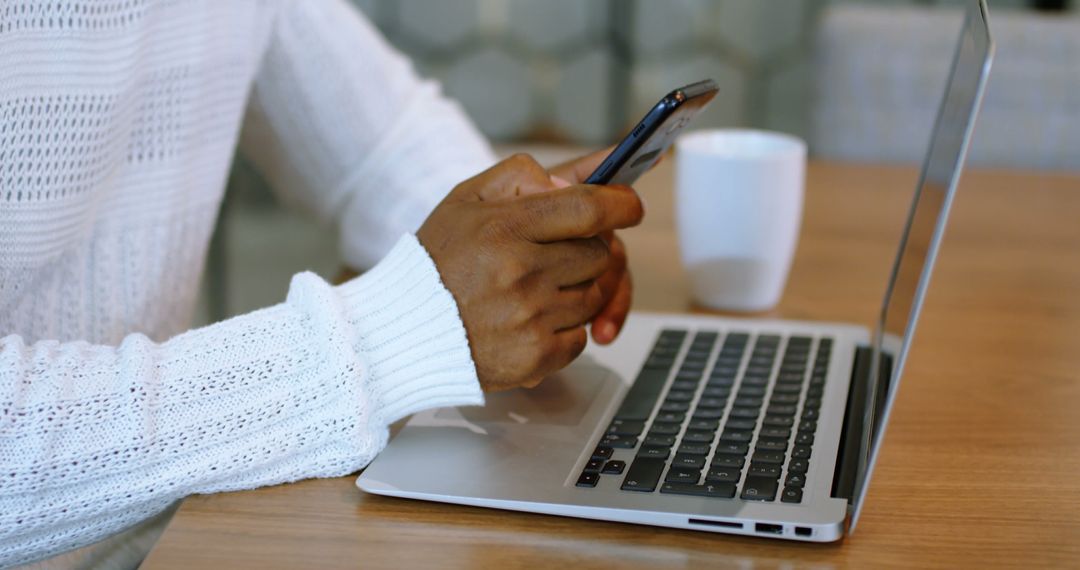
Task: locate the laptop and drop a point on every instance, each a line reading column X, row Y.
column 756, row 427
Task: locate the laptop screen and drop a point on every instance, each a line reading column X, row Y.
column 925, row 226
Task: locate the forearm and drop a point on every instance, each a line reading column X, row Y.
column 339, row 122
column 96, row 438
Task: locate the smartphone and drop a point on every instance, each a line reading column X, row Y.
column 652, row 136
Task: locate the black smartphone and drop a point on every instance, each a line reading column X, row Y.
column 652, row 136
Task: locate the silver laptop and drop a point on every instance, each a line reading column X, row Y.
column 759, row 427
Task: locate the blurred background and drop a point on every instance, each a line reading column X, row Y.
column 859, row 80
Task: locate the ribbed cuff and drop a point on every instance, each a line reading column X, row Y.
column 410, row 334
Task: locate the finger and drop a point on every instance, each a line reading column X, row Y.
column 574, row 261
column 616, row 265
column 517, row 175
column 577, row 211
column 577, row 170
column 574, row 306
column 569, row 344
column 607, row 324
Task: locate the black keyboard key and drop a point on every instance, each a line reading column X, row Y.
column 800, row 452
column 669, row 418
column 662, row 428
column 781, row 399
column 748, row 402
column 740, row 424
column 775, row 432
column 736, row 436
column 788, row 389
column 588, row 479
column 722, row 475
column 768, row 457
column 739, row 449
column 804, row 439
column 791, row 495
column 676, row 407
column 812, row 403
column 688, row 376
column 752, row 391
column 694, row 449
column 680, row 475
column 724, row 382
column 703, row 425
column 643, row 475
column 594, row 465
column 687, row 385
column 810, row 414
column 698, row 437
column 759, row 488
column 716, row 392
column 626, row 427
column 745, row 413
column 679, row 396
column 660, row 440
column 724, row 371
column 614, row 467
column 654, row 452
column 778, row 421
column 619, row 441
column 798, row 466
column 795, row 480
column 732, row 461
column 764, row 470
column 714, row 491
column 688, row 461
column 708, row 413
column 641, row 397
column 780, row 410
column 808, row 425
column 712, row 402
column 772, row 444
column 602, row 452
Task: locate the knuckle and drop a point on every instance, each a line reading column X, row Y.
column 524, row 162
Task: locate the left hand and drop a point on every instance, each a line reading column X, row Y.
column 615, row 283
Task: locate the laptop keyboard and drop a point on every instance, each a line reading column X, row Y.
column 737, row 421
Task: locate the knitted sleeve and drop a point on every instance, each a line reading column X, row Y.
column 96, row 438
column 339, row 122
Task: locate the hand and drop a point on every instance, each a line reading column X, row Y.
column 522, row 258
column 615, row 283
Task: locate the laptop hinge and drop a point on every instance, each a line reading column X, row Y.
column 847, row 461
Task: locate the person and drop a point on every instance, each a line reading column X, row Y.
column 119, row 121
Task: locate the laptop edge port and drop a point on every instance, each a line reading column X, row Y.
column 803, row 531
column 767, row 528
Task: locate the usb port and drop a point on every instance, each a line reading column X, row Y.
column 803, row 531
column 767, row 528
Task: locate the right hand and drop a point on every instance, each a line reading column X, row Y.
column 521, row 258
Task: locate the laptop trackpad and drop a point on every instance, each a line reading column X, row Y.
column 561, row 399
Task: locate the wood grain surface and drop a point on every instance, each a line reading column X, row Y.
column 980, row 467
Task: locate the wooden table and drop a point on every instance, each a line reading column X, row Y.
column 980, row 468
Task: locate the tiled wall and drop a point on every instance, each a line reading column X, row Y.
column 582, row 70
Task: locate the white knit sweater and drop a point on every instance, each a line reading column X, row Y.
column 118, row 121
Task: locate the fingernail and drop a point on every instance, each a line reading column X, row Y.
column 608, row 331
column 559, row 182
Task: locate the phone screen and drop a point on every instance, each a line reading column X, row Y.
column 653, row 135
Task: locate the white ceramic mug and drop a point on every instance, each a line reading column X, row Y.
column 738, row 208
